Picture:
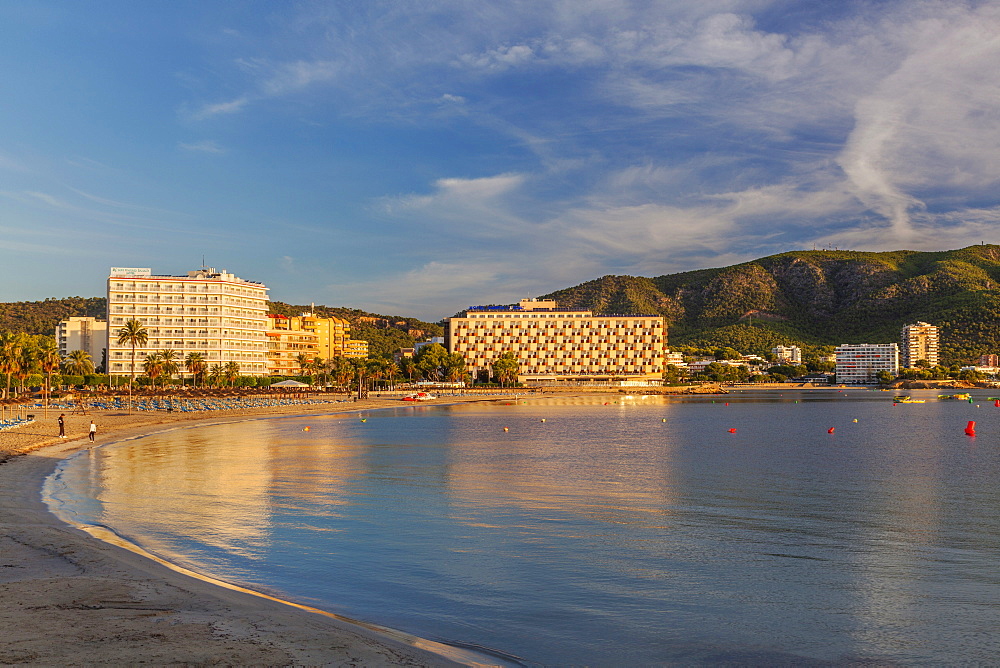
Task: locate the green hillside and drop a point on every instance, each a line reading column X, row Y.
column 817, row 298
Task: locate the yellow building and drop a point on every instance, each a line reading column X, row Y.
column 286, row 341
column 311, row 335
column 560, row 344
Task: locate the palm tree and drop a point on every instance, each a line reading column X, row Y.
column 49, row 358
column 170, row 359
column 133, row 334
column 78, row 363
column 342, row 370
column 215, row 373
column 303, row 361
column 10, row 353
column 231, row 371
column 27, row 362
column 195, row 364
column 153, row 366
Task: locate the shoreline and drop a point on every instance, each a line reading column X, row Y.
column 69, row 597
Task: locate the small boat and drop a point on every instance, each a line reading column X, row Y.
column 911, row 400
column 962, row 396
column 419, row 396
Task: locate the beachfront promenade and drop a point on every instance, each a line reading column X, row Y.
column 67, row 598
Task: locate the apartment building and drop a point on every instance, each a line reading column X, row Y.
column 559, row 344
column 860, row 363
column 83, row 333
column 787, row 354
column 310, row 335
column 215, row 313
column 286, row 341
column 918, row 342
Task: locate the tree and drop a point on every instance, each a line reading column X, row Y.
column 303, row 361
column 196, row 365
column 231, row 371
column 132, row 334
column 10, row 353
column 48, row 357
column 78, row 363
column 727, row 353
column 170, row 359
column 430, row 361
column 672, row 374
column 884, row 377
column 506, row 368
column 153, row 366
column 215, row 374
column 455, row 367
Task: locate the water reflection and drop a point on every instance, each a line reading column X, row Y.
column 638, row 530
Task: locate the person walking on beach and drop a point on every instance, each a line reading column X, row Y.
column 93, row 431
column 62, row 425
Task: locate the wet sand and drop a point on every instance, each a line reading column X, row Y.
column 67, row 598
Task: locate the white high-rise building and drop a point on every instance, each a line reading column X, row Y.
column 860, row 363
column 83, row 333
column 215, row 313
column 918, row 342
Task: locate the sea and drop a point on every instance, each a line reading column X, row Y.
column 820, row 527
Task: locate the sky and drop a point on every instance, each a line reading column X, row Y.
column 415, row 158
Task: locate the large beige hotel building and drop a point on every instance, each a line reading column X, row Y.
column 560, row 344
column 215, row 313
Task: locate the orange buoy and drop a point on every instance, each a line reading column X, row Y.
column 732, row 430
column 305, row 428
column 506, row 429
column 970, row 428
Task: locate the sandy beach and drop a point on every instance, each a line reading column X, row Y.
column 67, row 598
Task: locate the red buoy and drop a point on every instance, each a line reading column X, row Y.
column 830, row 430
column 732, row 430
column 970, row 428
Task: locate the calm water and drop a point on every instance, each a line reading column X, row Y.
column 602, row 535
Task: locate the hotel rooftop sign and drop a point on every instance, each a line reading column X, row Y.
column 131, row 272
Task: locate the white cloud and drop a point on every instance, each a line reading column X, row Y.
column 933, row 122
column 222, row 108
column 207, row 146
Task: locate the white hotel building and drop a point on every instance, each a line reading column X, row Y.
column 860, row 363
column 560, row 344
column 217, row 314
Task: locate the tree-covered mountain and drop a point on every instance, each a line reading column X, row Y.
column 817, row 298
column 42, row 317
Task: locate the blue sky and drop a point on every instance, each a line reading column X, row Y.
column 418, row 157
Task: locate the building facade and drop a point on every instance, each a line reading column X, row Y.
column 559, row 344
column 286, row 341
column 312, row 336
column 792, row 354
column 83, row 333
column 860, row 363
column 211, row 312
column 918, row 342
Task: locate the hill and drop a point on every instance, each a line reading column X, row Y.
column 817, row 298
column 42, row 317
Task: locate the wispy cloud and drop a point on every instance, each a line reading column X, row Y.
column 207, row 146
